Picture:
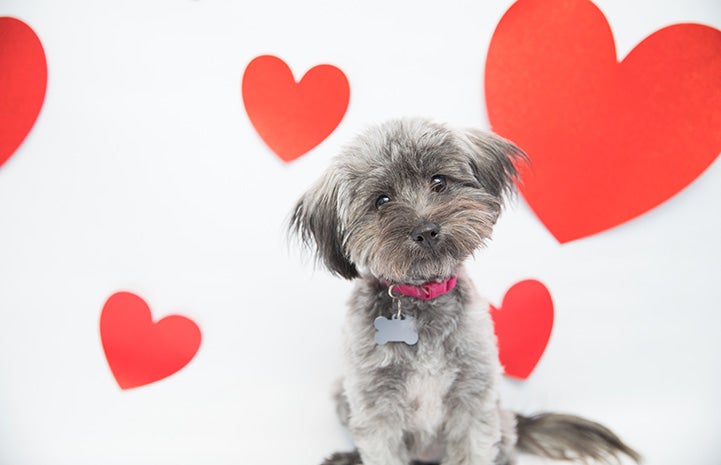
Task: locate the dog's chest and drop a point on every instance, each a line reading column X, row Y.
column 426, row 389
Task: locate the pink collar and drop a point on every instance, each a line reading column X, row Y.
column 427, row 291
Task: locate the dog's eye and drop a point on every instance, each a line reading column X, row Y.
column 438, row 183
column 382, row 200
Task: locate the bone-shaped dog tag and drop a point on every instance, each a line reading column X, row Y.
column 395, row 330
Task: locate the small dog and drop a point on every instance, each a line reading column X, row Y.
column 400, row 209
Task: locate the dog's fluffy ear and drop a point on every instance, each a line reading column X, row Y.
column 494, row 161
column 316, row 221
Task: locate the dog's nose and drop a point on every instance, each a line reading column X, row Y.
column 426, row 235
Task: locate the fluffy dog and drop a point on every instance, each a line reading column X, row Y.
column 399, row 210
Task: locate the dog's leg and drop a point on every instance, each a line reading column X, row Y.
column 507, row 447
column 373, row 446
column 378, row 434
column 342, row 407
column 472, row 432
column 381, row 445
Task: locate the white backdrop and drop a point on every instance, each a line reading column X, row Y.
column 143, row 173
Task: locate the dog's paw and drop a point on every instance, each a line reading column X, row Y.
column 343, row 458
column 395, row 330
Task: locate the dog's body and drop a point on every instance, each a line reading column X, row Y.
column 424, row 401
column 406, row 204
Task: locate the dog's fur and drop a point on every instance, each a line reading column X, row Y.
column 436, row 400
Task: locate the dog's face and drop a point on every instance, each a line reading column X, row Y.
column 407, row 201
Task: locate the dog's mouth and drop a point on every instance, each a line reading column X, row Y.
column 416, row 279
column 417, row 262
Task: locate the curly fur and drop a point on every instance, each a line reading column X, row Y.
column 436, row 401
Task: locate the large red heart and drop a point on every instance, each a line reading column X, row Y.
column 140, row 351
column 523, row 326
column 293, row 117
column 607, row 140
column 23, row 79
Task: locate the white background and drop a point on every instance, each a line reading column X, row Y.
column 143, row 173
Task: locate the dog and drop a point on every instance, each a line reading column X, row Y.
column 399, row 210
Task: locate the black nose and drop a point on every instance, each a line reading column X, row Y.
column 426, row 235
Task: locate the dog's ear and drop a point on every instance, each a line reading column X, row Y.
column 494, row 161
column 316, row 221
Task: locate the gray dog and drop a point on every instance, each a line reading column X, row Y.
column 400, row 209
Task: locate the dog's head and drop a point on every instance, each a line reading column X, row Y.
column 407, row 201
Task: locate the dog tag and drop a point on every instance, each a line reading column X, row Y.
column 396, row 329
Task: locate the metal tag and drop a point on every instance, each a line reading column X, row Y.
column 396, row 329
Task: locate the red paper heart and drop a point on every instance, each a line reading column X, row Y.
column 23, row 79
column 140, row 351
column 523, row 326
column 608, row 141
column 293, row 117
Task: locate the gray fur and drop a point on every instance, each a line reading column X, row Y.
column 435, row 401
column 568, row 437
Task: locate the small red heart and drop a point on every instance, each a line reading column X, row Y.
column 140, row 351
column 293, row 117
column 523, row 326
column 23, row 79
column 608, row 141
